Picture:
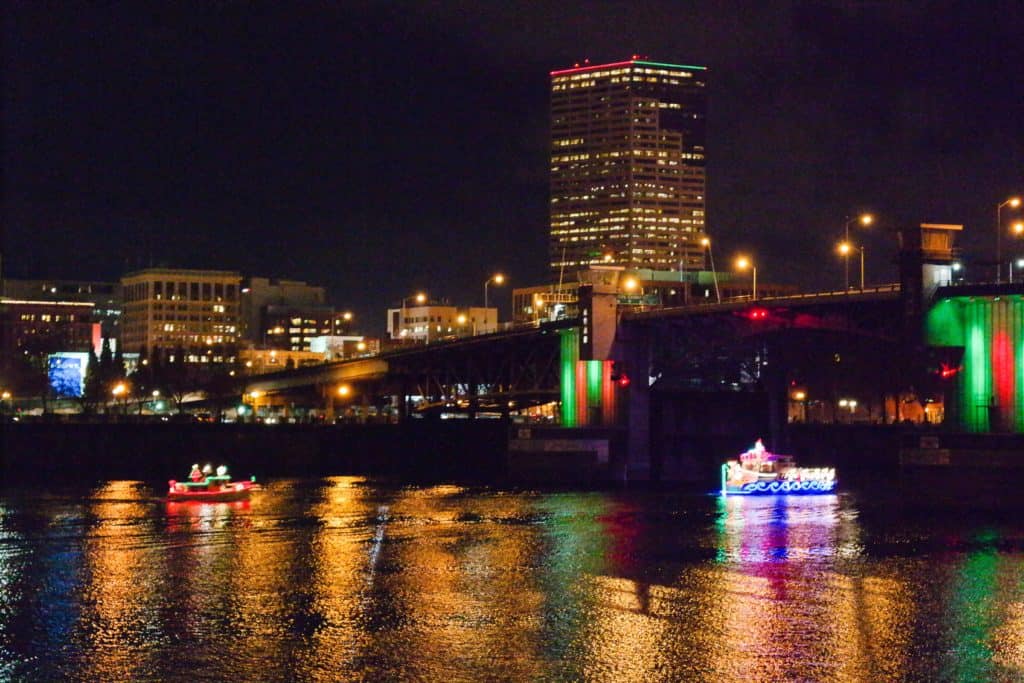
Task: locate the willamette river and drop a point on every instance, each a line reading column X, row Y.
column 346, row 579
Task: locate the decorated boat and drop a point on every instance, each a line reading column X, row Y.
column 204, row 485
column 760, row 472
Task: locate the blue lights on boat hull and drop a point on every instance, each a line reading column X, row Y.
column 781, row 488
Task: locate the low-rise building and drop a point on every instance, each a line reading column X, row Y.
column 294, row 327
column 43, row 327
column 345, row 347
column 263, row 361
column 431, row 321
column 104, row 296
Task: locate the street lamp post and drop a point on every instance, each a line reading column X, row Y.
column 1013, row 203
column 864, row 219
column 420, row 298
column 120, row 390
column 742, row 263
column 706, row 243
column 845, row 248
column 1020, row 265
column 497, row 279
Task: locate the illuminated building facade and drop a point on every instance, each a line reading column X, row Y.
column 105, row 297
column 194, row 310
column 263, row 361
column 432, row 321
column 295, row 327
column 259, row 293
column 628, row 166
column 45, row 326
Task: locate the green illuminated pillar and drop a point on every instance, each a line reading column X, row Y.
column 594, row 377
column 567, row 384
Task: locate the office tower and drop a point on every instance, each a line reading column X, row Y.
column 195, row 311
column 628, row 166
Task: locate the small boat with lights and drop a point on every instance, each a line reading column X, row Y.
column 204, row 485
column 760, row 472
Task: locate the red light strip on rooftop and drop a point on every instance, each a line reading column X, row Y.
column 628, row 62
column 590, row 68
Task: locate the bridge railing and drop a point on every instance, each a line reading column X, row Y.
column 877, row 289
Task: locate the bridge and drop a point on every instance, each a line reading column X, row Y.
column 656, row 376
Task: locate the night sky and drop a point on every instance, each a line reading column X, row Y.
column 384, row 148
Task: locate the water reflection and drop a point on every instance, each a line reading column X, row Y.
column 341, row 578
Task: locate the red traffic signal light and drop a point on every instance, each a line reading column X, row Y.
column 618, row 374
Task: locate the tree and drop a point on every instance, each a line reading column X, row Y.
column 93, row 391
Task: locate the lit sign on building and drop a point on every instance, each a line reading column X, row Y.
column 67, row 373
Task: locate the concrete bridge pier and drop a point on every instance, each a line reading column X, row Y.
column 634, row 348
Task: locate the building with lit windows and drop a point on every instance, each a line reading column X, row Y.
column 192, row 310
column 628, row 166
column 295, row 327
column 432, row 321
column 46, row 327
column 260, row 292
column 104, row 296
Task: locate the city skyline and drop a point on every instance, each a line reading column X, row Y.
column 383, row 150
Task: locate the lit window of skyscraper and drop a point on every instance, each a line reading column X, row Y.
column 628, row 181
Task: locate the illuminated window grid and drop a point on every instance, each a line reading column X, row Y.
column 608, row 153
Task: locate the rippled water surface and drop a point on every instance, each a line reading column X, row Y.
column 346, row 579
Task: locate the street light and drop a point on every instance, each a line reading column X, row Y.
column 1019, row 263
column 845, row 248
column 497, row 279
column 120, row 390
column 706, row 243
column 344, row 390
column 629, row 284
column 742, row 263
column 420, row 298
column 865, row 219
column 1013, row 203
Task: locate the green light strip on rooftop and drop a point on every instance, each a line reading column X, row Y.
column 671, row 66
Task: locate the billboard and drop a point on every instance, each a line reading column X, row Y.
column 66, row 371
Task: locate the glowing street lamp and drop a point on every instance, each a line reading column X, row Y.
column 629, row 284
column 864, row 219
column 1013, row 203
column 497, row 279
column 120, row 390
column 347, row 316
column 1020, row 265
column 845, row 248
column 706, row 243
column 420, row 298
column 344, row 390
column 742, row 263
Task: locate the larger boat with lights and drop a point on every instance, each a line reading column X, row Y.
column 759, row 472
column 206, row 486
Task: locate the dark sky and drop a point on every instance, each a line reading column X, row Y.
column 382, row 148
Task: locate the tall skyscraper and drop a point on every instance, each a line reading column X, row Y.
column 628, row 166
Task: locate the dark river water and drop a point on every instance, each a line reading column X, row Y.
column 347, row 579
